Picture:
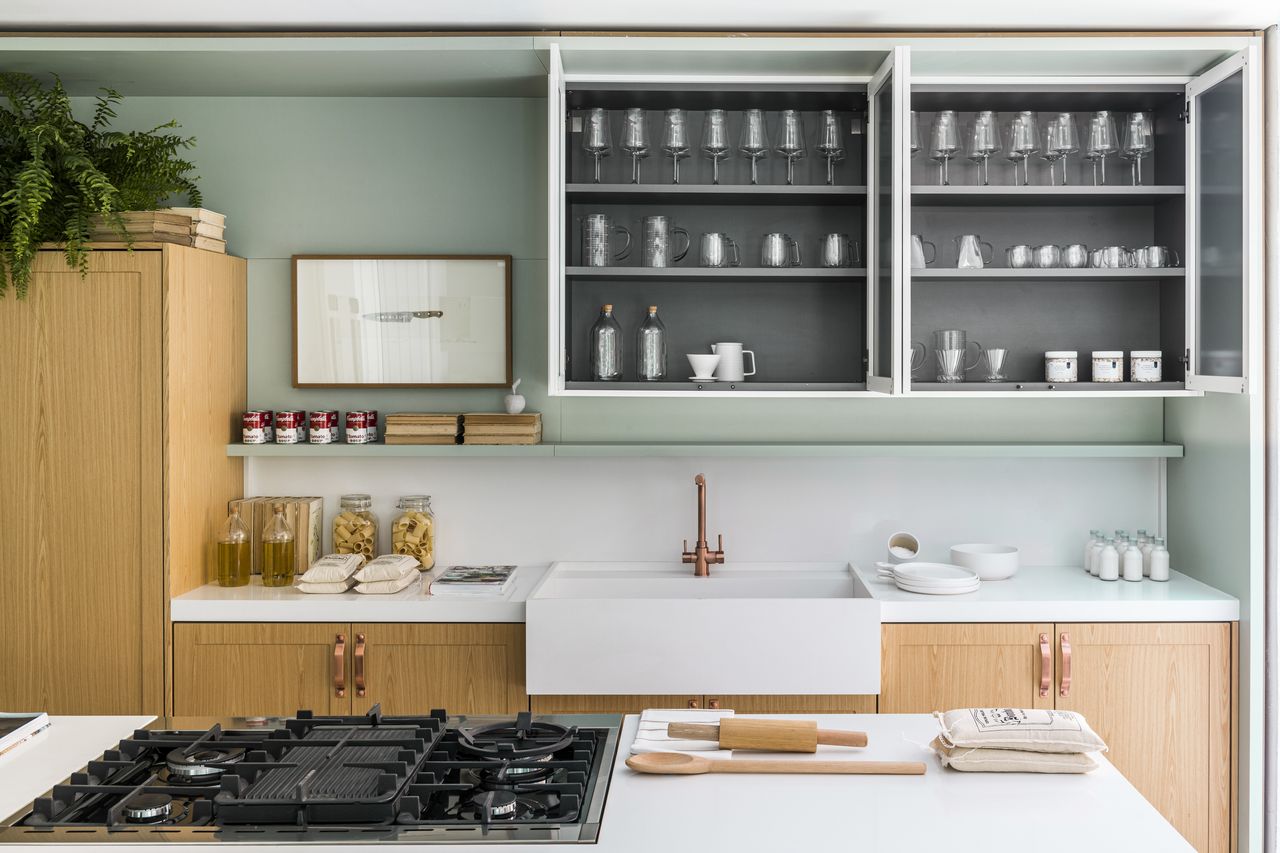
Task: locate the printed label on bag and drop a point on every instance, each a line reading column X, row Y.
column 996, row 719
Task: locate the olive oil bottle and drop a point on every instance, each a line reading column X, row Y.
column 234, row 558
column 277, row 549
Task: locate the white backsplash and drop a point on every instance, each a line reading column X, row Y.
column 541, row 510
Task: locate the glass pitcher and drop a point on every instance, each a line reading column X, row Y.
column 970, row 254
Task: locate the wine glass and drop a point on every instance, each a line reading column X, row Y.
column 715, row 140
column 830, row 144
column 751, row 142
column 915, row 133
column 675, row 140
column 1021, row 140
column 1138, row 142
column 790, row 142
column 596, row 139
column 982, row 140
column 1060, row 139
column 1101, row 142
column 944, row 142
column 635, row 139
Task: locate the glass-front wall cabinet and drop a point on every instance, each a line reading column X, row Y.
column 907, row 233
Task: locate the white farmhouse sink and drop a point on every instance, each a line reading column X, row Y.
column 635, row 628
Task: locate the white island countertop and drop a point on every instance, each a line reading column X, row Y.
column 1057, row 594
column 257, row 603
column 943, row 810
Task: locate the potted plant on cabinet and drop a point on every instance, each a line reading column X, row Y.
column 64, row 181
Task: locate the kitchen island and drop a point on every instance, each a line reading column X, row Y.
column 943, row 810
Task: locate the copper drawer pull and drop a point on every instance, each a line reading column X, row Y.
column 340, row 666
column 1065, row 688
column 360, row 664
column 1046, row 665
column 714, row 704
column 693, row 703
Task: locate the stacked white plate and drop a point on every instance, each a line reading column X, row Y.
column 932, row 578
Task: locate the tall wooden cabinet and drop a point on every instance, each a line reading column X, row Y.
column 119, row 389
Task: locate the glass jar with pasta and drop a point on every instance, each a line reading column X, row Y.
column 355, row 527
column 414, row 532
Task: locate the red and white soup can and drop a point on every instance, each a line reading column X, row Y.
column 324, row 427
column 357, row 427
column 253, row 427
column 291, row 427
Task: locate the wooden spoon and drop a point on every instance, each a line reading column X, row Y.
column 680, row 764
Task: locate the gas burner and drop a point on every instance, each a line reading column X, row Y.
column 489, row 806
column 500, row 804
column 505, row 774
column 205, row 764
column 147, row 808
column 519, row 739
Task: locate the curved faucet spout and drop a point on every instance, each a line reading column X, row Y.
column 701, row 556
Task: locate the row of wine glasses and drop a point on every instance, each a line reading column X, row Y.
column 753, row 140
column 1022, row 135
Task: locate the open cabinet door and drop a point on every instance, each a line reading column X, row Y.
column 888, row 102
column 556, row 118
column 1224, row 216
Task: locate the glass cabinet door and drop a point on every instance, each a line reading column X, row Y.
column 1222, row 255
column 886, row 119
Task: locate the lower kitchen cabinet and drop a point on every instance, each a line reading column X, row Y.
column 1159, row 694
column 743, row 704
column 252, row 669
column 246, row 669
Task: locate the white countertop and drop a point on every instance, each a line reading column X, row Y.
column 1057, row 594
column 257, row 603
column 943, row 810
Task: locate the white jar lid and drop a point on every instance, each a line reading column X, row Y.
column 1146, row 353
column 1108, row 353
column 1063, row 353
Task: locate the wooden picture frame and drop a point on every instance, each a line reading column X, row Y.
column 500, row 368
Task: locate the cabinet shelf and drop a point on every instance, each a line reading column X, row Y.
column 713, row 193
column 812, row 449
column 667, row 389
column 1043, row 195
column 1128, row 389
column 716, row 273
column 1056, row 274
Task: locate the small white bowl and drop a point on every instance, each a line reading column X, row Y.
column 991, row 562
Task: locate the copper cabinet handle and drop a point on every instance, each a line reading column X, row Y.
column 1065, row 688
column 714, row 704
column 1046, row 665
column 693, row 703
column 359, row 664
column 340, row 665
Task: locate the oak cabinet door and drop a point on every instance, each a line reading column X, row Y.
column 472, row 668
column 1160, row 696
column 926, row 668
column 252, row 669
column 609, row 704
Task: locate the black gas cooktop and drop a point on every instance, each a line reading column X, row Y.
column 364, row 779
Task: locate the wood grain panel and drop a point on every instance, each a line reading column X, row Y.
column 926, row 668
column 554, row 704
column 463, row 668
column 206, row 388
column 1160, row 696
column 835, row 704
column 80, row 571
column 248, row 668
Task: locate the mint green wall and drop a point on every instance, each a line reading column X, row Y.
column 297, row 175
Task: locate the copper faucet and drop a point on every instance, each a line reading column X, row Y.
column 701, row 556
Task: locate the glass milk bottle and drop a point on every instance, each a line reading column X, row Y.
column 1160, row 561
column 1088, row 550
column 606, row 347
column 1108, row 562
column 1095, row 560
column 234, row 560
column 1131, row 561
column 1146, row 548
column 651, row 348
column 277, row 549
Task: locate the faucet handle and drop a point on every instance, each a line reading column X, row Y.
column 686, row 555
column 717, row 556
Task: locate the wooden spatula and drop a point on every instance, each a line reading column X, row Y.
column 682, row 764
column 768, row 735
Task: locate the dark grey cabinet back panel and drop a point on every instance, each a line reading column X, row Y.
column 1029, row 318
column 799, row 331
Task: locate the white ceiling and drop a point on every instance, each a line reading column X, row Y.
column 636, row 14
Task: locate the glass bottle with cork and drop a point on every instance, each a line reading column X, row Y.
column 277, row 549
column 235, row 562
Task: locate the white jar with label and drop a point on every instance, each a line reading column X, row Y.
column 1061, row 366
column 1146, row 365
column 1108, row 365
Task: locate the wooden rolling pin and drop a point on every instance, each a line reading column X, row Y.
column 768, row 735
column 683, row 764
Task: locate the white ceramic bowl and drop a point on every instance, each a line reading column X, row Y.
column 991, row 562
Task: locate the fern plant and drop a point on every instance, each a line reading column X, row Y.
column 57, row 173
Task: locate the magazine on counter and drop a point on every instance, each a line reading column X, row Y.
column 17, row 728
column 477, row 581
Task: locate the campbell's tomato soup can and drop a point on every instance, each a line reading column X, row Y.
column 371, row 418
column 357, row 427
column 291, row 427
column 253, row 428
column 324, row 427
column 270, row 418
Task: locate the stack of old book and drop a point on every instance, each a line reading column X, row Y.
column 183, row 226
column 422, row 428
column 502, row 429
